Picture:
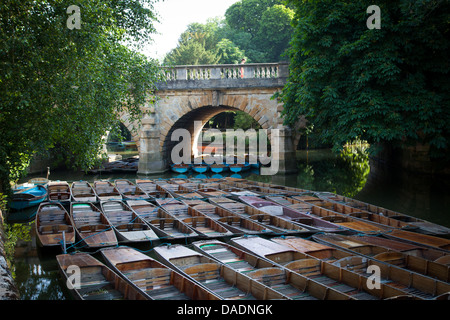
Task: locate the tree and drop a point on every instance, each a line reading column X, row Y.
column 62, row 88
column 387, row 85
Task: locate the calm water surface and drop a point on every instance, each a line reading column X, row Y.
column 36, row 272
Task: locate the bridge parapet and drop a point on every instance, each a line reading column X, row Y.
column 225, row 76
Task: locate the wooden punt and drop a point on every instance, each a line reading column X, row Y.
column 58, row 191
column 211, row 192
column 421, row 239
column 305, row 220
column 153, row 279
column 290, row 284
column 105, row 191
column 340, row 219
column 233, row 222
column 52, row 219
column 146, row 185
column 426, row 253
column 283, row 189
column 265, row 189
column 91, row 226
column 274, row 223
column 235, row 191
column 316, row 270
column 174, row 207
column 181, row 192
column 356, row 213
column 144, row 209
column 97, row 281
column 167, row 226
column 129, row 191
column 82, row 191
column 128, row 226
column 412, row 263
column 423, row 226
column 219, row 279
column 207, row 227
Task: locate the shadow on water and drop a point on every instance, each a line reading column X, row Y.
column 351, row 173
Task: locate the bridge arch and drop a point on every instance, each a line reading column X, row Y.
column 197, row 93
column 181, row 110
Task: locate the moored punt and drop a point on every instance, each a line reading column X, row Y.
column 181, row 192
column 211, row 192
column 218, row 167
column 58, row 191
column 274, row 223
column 52, row 219
column 128, row 226
column 236, row 192
column 174, row 207
column 421, row 239
column 155, row 280
column 426, row 253
column 343, row 220
column 200, row 168
column 287, row 213
column 233, row 222
column 292, row 285
column 91, row 226
column 105, row 190
column 82, row 191
column 207, row 227
column 167, row 226
column 423, row 226
column 144, row 209
column 180, row 167
column 27, row 195
column 330, row 275
column 97, row 281
column 219, row 279
column 356, row 212
column 146, row 185
column 401, row 260
column 129, row 191
column 238, row 167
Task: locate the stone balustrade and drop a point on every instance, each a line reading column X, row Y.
column 225, row 75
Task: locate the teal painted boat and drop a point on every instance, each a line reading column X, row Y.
column 180, row 168
column 27, row 195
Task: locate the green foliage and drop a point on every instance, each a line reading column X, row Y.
column 244, row 121
column 381, row 85
column 258, row 30
column 63, row 88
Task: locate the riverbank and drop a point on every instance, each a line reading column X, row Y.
column 8, row 289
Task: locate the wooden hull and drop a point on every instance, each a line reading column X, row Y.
column 97, row 281
column 130, row 191
column 92, row 227
column 51, row 221
column 58, row 191
column 305, row 220
column 334, row 277
column 82, row 191
column 153, row 279
column 291, row 285
column 396, row 270
column 422, row 225
column 421, row 239
column 166, row 226
column 105, row 191
column 217, row 278
column 128, row 226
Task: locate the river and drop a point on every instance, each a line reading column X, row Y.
column 35, row 270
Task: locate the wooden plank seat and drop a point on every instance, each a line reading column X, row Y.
column 93, row 228
column 131, row 227
column 54, row 229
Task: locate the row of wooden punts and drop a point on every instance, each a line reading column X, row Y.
column 232, row 238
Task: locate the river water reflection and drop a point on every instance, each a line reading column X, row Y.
column 36, row 272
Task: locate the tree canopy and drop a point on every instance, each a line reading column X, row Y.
column 380, row 85
column 258, row 30
column 61, row 87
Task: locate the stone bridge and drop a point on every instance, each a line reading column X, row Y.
column 192, row 95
